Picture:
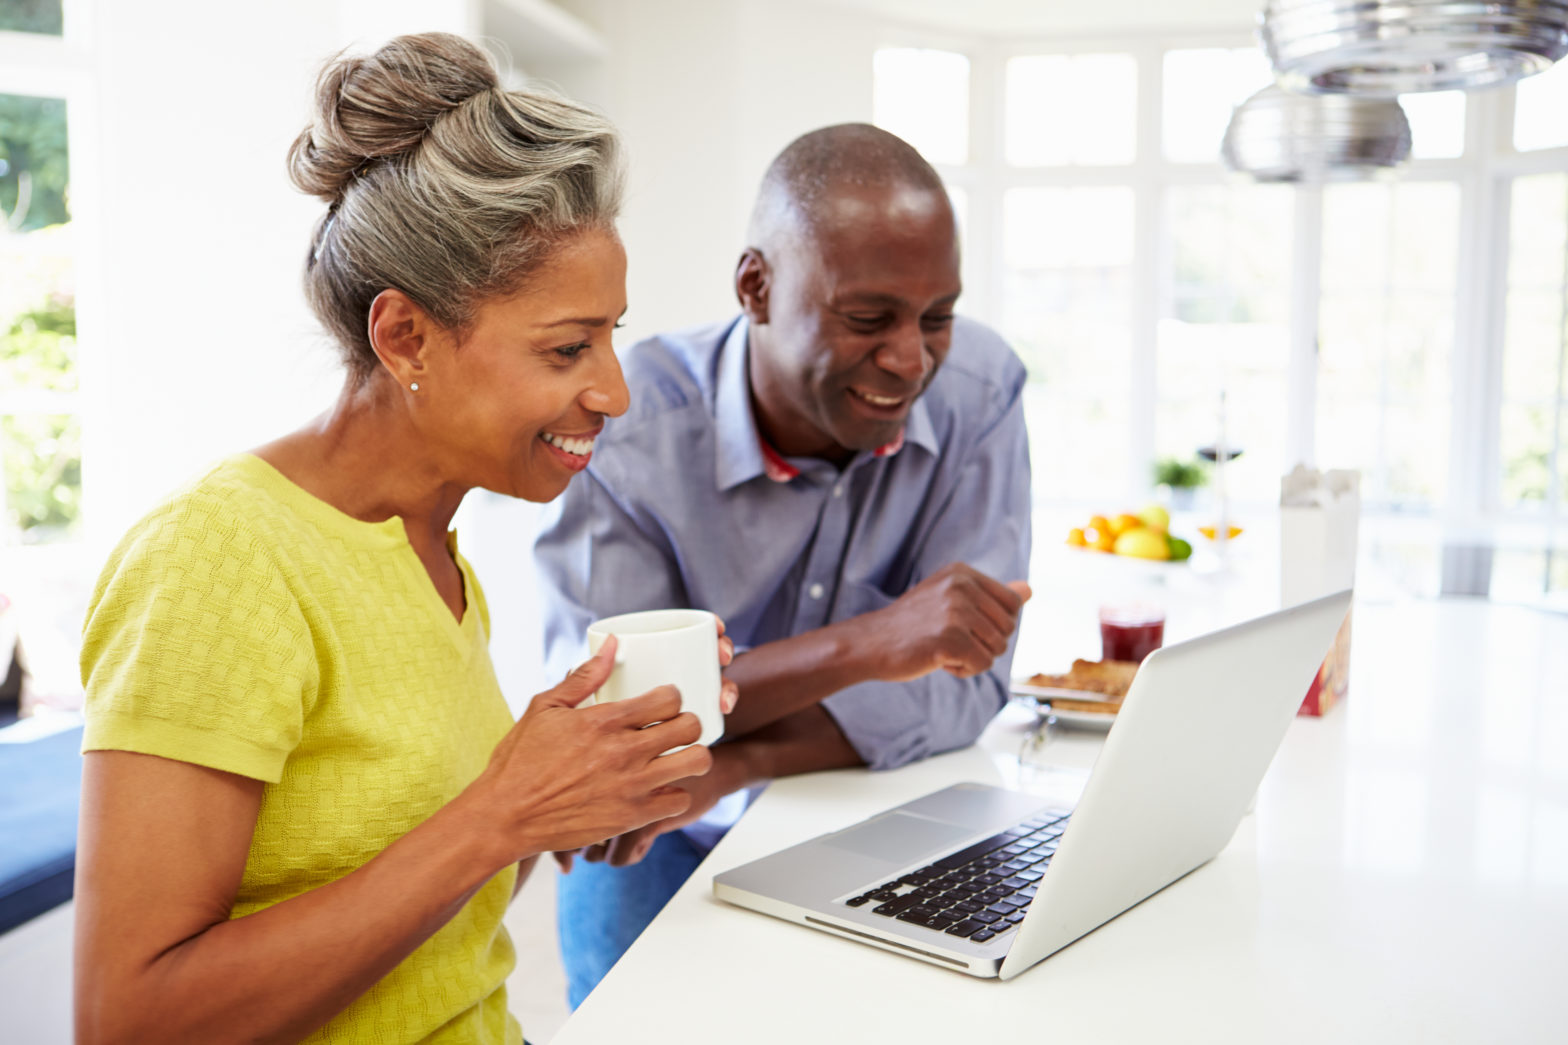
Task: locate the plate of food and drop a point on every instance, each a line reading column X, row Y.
column 1089, row 695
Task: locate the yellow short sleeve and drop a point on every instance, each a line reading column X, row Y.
column 195, row 648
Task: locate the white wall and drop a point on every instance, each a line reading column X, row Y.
column 705, row 93
column 200, row 342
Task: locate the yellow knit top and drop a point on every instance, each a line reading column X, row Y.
column 248, row 626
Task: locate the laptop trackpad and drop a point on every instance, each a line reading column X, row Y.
column 899, row 838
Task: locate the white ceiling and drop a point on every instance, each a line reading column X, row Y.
column 1004, row 17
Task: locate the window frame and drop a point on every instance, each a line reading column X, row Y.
column 1483, row 173
column 40, row 65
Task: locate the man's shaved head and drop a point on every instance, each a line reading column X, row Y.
column 848, row 281
column 807, row 181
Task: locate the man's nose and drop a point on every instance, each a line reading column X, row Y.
column 905, row 354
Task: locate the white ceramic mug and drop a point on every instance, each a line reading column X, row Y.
column 665, row 647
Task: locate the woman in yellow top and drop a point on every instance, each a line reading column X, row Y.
column 305, row 805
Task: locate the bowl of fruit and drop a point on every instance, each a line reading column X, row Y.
column 1145, row 535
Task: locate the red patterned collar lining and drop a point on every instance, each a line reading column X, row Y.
column 781, row 471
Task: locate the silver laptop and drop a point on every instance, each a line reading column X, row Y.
column 988, row 882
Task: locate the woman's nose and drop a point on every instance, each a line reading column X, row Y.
column 607, row 394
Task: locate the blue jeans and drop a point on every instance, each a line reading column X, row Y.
column 601, row 909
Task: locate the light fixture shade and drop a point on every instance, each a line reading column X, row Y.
column 1278, row 136
column 1391, row 47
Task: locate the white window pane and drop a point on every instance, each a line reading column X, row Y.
column 923, row 97
column 1437, row 124
column 1202, row 86
column 1536, row 249
column 959, row 198
column 1068, row 228
column 1539, row 106
column 1071, row 109
column 1229, row 331
column 1424, row 250
column 1385, row 332
column 1066, row 297
column 1525, row 444
column 1532, row 345
column 1535, row 345
column 1356, row 223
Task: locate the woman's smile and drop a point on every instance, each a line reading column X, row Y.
column 571, row 451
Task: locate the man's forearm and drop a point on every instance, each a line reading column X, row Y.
column 803, row 742
column 780, row 678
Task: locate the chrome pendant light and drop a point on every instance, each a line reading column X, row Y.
column 1278, row 136
column 1390, row 47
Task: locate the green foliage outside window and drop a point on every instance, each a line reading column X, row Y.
column 41, row 453
column 43, row 470
column 34, row 168
column 38, row 352
column 32, row 16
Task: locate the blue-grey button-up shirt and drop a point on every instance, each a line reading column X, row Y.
column 677, row 509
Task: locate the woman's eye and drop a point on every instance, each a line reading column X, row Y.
column 572, row 351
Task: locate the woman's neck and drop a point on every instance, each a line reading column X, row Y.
column 366, row 459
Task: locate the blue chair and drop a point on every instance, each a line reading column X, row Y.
column 40, row 795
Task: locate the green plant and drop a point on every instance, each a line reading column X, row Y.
column 1179, row 474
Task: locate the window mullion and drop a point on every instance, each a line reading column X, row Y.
column 1145, row 312
column 987, row 119
column 1305, row 301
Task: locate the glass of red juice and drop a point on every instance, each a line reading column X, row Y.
column 1131, row 632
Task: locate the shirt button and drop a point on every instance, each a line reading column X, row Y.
column 815, row 591
column 838, row 491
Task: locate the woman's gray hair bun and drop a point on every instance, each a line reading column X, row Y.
column 441, row 184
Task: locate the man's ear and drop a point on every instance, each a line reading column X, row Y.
column 753, row 281
column 401, row 333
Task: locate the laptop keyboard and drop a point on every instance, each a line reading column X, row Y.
column 980, row 892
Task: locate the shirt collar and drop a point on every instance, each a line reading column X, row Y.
column 742, row 454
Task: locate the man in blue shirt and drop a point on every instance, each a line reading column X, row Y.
column 841, row 474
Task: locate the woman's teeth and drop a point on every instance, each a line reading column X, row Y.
column 578, row 447
column 876, row 400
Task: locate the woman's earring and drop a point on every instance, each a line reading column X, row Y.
column 414, row 387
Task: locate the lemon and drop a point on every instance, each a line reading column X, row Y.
column 1155, row 517
column 1141, row 542
column 1076, row 538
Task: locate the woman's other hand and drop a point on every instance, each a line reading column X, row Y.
column 729, row 693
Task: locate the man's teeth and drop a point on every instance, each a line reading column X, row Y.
column 579, row 447
column 879, row 400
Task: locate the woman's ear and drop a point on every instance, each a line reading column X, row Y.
column 401, row 333
column 753, row 280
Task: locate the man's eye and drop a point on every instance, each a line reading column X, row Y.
column 866, row 321
column 937, row 321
